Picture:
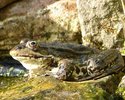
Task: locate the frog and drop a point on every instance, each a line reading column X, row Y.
column 45, row 58
column 67, row 61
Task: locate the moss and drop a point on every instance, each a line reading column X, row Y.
column 45, row 88
column 75, row 91
column 121, row 92
column 48, row 87
column 122, row 51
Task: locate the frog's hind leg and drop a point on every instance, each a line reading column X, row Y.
column 102, row 74
column 114, row 66
column 114, row 70
column 89, row 77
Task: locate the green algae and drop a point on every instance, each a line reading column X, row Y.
column 121, row 91
column 49, row 88
column 46, row 88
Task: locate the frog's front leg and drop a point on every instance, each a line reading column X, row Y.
column 64, row 70
column 105, row 63
column 70, row 70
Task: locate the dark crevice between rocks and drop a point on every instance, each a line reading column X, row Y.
column 6, row 3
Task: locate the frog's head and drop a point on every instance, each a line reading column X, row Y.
column 29, row 55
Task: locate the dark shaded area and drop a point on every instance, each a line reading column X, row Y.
column 4, row 3
column 11, row 8
column 117, row 97
column 10, row 67
column 9, row 61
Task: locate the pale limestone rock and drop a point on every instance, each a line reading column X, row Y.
column 59, row 23
column 101, row 22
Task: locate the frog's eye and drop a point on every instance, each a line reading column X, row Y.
column 31, row 45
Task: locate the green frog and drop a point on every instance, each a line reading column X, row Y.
column 66, row 61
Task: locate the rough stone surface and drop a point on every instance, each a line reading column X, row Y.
column 101, row 22
column 121, row 87
column 46, row 88
column 58, row 21
column 22, row 7
column 11, row 31
column 4, row 3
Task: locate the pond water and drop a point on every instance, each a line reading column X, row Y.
column 10, row 67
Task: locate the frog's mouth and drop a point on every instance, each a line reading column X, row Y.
column 27, row 54
column 33, row 56
column 30, row 60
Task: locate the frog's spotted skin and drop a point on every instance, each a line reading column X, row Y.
column 104, row 60
column 97, row 66
column 66, row 61
column 105, row 63
column 69, row 70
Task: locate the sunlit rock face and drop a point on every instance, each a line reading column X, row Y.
column 21, row 7
column 101, row 22
column 121, row 87
column 58, row 21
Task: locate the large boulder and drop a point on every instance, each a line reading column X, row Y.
column 4, row 3
column 46, row 88
column 21, row 7
column 58, row 21
column 101, row 23
column 121, row 87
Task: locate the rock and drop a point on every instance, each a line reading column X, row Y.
column 45, row 88
column 121, row 88
column 22, row 7
column 4, row 3
column 101, row 23
column 57, row 22
column 11, row 31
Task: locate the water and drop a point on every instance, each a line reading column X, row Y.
column 10, row 67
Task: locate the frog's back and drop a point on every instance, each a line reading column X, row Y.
column 67, row 49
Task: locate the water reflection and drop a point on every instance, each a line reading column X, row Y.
column 10, row 67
